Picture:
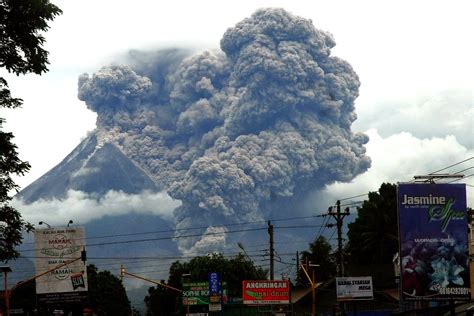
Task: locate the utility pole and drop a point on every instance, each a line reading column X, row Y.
column 339, row 217
column 272, row 250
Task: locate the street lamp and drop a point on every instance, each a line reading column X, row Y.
column 241, row 246
column 312, row 281
column 70, row 222
column 44, row 223
column 313, row 291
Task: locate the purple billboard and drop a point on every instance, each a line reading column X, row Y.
column 433, row 242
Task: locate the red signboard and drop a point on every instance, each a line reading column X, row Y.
column 266, row 292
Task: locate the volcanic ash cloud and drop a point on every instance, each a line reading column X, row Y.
column 230, row 132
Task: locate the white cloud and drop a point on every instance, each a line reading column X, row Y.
column 213, row 240
column 449, row 112
column 398, row 158
column 83, row 208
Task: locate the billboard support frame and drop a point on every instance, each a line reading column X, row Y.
column 430, row 178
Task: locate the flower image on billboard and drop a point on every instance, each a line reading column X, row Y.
column 433, row 241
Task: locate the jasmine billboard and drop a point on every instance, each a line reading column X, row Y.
column 433, row 241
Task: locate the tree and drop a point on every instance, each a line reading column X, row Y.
column 319, row 253
column 107, row 294
column 233, row 271
column 373, row 236
column 21, row 52
column 160, row 301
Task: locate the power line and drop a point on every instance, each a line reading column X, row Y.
column 355, row 196
column 431, row 173
column 453, row 165
column 466, row 176
column 165, row 238
column 193, row 228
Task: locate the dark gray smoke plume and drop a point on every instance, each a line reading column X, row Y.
column 232, row 132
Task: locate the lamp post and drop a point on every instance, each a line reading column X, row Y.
column 5, row 270
column 241, row 246
column 312, row 281
column 44, row 223
column 70, row 222
column 313, row 287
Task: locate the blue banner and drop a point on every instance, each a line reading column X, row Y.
column 214, row 286
column 433, row 242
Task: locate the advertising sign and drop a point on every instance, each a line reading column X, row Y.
column 354, row 288
column 266, row 292
column 433, row 242
column 214, row 288
column 197, row 293
column 214, row 292
column 53, row 247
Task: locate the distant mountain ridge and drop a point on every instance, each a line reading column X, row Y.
column 91, row 168
column 97, row 169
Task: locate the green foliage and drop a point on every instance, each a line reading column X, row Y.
column 21, row 47
column 21, row 52
column 319, row 253
column 11, row 223
column 107, row 294
column 373, row 236
column 160, row 301
column 233, row 271
column 24, row 297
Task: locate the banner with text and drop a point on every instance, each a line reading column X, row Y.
column 433, row 241
column 53, row 247
column 197, row 293
column 354, row 288
column 266, row 292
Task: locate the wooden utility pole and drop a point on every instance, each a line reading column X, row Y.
column 339, row 217
column 272, row 250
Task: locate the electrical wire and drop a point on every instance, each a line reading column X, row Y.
column 320, row 232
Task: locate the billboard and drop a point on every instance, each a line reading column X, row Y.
column 197, row 293
column 433, row 242
column 266, row 292
column 354, row 288
column 214, row 292
column 53, row 247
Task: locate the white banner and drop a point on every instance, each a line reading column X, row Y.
column 53, row 247
column 354, row 288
